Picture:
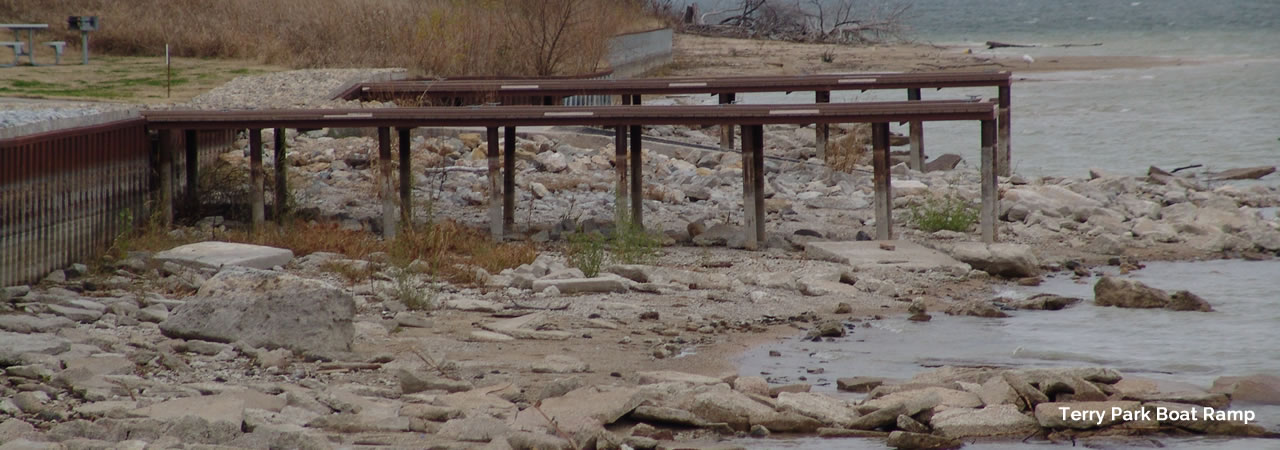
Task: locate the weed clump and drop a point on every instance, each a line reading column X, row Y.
column 949, row 212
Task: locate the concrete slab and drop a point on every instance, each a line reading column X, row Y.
column 870, row 254
column 213, row 254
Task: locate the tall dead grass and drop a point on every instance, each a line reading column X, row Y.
column 431, row 37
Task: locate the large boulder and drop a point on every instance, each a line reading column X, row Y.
column 1052, row 201
column 1125, row 293
column 267, row 309
column 998, row 420
column 1002, row 259
column 1261, row 389
column 213, row 254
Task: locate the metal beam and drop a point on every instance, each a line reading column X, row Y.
column 387, row 187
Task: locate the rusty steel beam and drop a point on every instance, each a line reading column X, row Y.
column 726, row 131
column 869, row 112
column 668, row 86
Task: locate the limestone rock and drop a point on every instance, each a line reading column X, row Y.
column 581, row 285
column 1186, row 301
column 999, row 420
column 267, row 309
column 859, row 384
column 1002, row 259
column 213, row 254
column 1263, row 389
column 903, row 440
column 830, row 411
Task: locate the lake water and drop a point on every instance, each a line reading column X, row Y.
column 1221, row 109
column 1240, row 338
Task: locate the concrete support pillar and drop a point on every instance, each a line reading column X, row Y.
column 257, row 195
column 990, row 182
column 387, row 186
column 881, row 177
column 917, row 158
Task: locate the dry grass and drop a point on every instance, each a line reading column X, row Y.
column 431, row 37
column 848, row 150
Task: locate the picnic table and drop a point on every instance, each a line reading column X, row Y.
column 30, row 28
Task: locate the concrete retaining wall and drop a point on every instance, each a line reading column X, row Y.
column 635, row 54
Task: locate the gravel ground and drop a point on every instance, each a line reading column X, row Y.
column 310, row 88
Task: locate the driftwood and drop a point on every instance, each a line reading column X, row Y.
column 997, row 44
column 1193, row 166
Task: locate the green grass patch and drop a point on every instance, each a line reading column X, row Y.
column 944, row 213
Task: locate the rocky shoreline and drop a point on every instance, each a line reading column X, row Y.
column 281, row 351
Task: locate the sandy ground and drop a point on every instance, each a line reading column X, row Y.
column 713, row 56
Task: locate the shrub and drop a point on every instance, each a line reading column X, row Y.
column 632, row 244
column 586, row 251
column 949, row 212
column 405, row 289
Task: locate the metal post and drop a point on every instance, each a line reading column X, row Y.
column 257, row 208
column 726, row 130
column 495, row 186
column 637, row 173
column 822, row 131
column 84, row 47
column 757, row 182
column 1004, row 150
column 191, row 201
column 917, row 135
column 166, row 176
column 883, row 193
column 406, row 178
column 620, row 164
column 748, row 188
column 282, row 177
column 509, row 179
column 387, row 190
column 990, row 197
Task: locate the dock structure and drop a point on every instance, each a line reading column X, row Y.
column 554, row 91
column 623, row 119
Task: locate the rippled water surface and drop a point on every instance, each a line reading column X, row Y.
column 1241, row 337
